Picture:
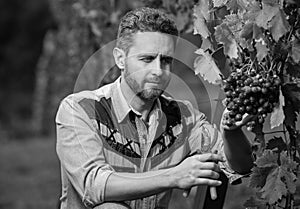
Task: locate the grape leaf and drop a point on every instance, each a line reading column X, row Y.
column 236, row 5
column 207, row 68
column 288, row 166
column 277, row 116
column 247, row 31
column 289, row 179
column 253, row 10
column 257, row 32
column 279, row 26
column 267, row 159
column 206, row 44
column 219, row 3
column 271, row 2
column 203, row 8
column 200, row 26
column 292, row 69
column 259, row 176
column 221, row 61
column 235, row 23
column 292, row 92
column 287, row 163
column 262, row 50
column 274, row 188
column 295, row 51
column 254, row 202
column 276, row 142
column 266, row 15
column 291, row 116
column 225, row 36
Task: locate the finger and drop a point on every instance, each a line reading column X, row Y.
column 206, row 174
column 213, row 192
column 186, row 193
column 208, row 182
column 209, row 157
column 209, row 166
column 246, row 118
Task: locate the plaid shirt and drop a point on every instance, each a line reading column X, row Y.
column 98, row 133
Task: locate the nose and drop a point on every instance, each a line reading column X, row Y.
column 157, row 67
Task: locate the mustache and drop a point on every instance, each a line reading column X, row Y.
column 154, row 79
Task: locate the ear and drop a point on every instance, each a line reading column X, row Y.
column 119, row 56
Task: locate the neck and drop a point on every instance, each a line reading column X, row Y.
column 140, row 105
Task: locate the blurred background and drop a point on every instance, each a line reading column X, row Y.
column 44, row 45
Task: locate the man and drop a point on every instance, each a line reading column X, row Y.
column 126, row 145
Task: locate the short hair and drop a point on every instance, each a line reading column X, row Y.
column 143, row 19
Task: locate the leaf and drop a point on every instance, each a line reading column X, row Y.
column 292, row 92
column 253, row 10
column 274, row 188
column 200, row 26
column 254, row 202
column 206, row 44
column 267, row 159
column 221, row 61
column 207, row 68
column 203, row 8
column 236, row 5
column 224, row 35
column 295, row 51
column 293, row 69
column 271, row 2
column 288, row 166
column 276, row 142
column 219, row 3
column 291, row 115
column 266, row 15
column 262, row 50
column 259, row 176
column 257, row 32
column 247, row 31
column 289, row 179
column 279, row 26
column 277, row 116
column 287, row 163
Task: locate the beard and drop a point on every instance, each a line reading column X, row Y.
column 145, row 94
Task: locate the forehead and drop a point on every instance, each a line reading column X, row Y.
column 152, row 42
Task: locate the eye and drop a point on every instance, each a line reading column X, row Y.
column 147, row 59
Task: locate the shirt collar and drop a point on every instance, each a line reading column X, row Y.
column 122, row 108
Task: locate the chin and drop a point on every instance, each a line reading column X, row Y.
column 150, row 95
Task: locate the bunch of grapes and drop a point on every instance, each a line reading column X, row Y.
column 252, row 91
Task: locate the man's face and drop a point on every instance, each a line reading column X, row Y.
column 148, row 64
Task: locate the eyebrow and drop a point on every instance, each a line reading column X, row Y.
column 154, row 55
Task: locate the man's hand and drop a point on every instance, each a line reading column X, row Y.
column 199, row 169
column 245, row 119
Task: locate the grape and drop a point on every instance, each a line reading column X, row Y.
column 264, row 90
column 253, row 91
column 238, row 117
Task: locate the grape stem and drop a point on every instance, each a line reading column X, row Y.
column 273, row 132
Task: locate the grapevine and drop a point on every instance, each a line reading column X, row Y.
column 260, row 41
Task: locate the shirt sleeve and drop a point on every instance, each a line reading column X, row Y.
column 206, row 138
column 80, row 152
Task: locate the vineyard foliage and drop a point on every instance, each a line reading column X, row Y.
column 261, row 41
